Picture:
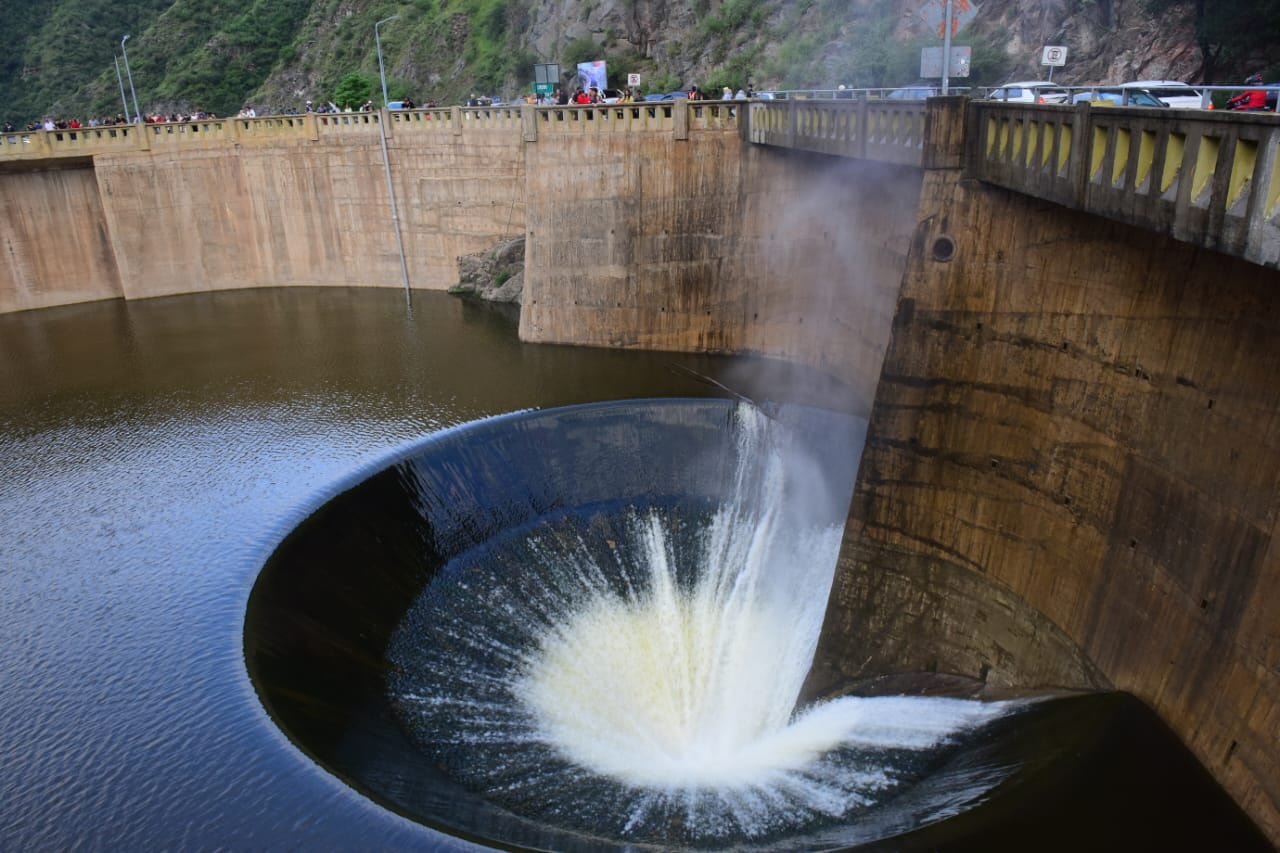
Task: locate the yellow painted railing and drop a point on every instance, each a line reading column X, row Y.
column 1199, row 176
column 885, row 131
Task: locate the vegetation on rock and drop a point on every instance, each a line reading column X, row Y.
column 221, row 55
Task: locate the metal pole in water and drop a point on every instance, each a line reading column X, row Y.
column 383, row 115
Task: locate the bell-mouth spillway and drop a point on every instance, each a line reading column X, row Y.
column 587, row 629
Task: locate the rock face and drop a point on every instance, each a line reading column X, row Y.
column 496, row 275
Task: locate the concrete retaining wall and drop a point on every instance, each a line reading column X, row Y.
column 264, row 203
column 1074, row 444
column 54, row 241
column 303, row 212
column 707, row 244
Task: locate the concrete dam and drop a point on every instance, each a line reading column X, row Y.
column 1062, row 322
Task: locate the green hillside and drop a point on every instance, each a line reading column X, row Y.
column 221, row 55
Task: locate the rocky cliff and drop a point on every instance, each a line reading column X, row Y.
column 220, row 55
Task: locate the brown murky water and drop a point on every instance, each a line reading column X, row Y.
column 153, row 454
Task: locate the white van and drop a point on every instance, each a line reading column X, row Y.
column 1175, row 93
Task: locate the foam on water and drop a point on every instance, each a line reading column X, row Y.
column 640, row 668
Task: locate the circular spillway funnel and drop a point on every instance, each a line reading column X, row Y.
column 587, row 628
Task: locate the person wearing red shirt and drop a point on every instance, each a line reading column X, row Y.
column 1253, row 99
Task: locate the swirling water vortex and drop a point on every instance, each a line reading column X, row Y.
column 631, row 670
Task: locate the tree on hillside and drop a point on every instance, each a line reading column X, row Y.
column 353, row 90
column 1233, row 36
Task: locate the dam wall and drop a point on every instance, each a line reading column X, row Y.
column 281, row 210
column 1071, row 475
column 54, row 244
column 652, row 226
column 265, row 203
column 707, row 244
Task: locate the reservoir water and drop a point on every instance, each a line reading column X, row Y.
column 154, row 454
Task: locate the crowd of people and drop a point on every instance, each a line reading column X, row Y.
column 593, row 95
column 561, row 97
column 105, row 121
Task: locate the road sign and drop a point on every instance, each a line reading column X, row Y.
column 931, row 62
column 633, row 79
column 935, row 15
column 546, row 72
column 1054, row 56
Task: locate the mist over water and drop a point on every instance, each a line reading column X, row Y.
column 632, row 669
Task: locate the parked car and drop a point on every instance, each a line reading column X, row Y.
column 1117, row 97
column 611, row 96
column 1030, row 92
column 912, row 93
column 1174, row 93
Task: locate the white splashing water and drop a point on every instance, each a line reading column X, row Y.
column 648, row 674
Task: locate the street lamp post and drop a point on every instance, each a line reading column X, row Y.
column 137, row 113
column 386, row 165
column 377, row 39
column 124, row 102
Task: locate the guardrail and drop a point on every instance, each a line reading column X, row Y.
column 676, row 117
column 888, row 131
column 1208, row 178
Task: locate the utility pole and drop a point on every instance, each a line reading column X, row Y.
column 124, row 102
column 383, row 115
column 137, row 113
column 377, row 39
column 946, row 48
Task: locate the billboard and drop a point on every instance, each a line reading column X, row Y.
column 593, row 74
column 546, row 76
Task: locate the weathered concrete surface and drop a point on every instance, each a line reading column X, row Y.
column 259, row 213
column 1074, row 443
column 706, row 244
column 54, row 246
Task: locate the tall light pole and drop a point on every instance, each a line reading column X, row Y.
column 137, row 113
column 946, row 50
column 377, row 39
column 123, row 101
column 386, row 165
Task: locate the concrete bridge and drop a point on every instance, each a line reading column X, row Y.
column 1065, row 322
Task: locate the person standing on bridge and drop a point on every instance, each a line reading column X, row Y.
column 1252, row 100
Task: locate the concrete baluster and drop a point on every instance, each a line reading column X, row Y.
column 529, row 122
column 680, row 114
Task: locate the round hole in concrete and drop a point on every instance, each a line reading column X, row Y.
column 944, row 249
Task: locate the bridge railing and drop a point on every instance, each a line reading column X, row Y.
column 888, row 131
column 1203, row 177
column 676, row 117
column 82, row 142
column 670, row 116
